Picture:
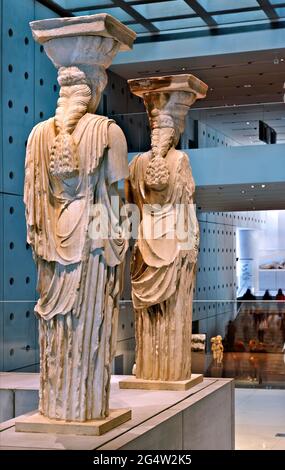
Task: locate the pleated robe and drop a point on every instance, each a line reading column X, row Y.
column 78, row 277
column 163, row 272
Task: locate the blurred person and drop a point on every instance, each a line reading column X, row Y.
column 273, row 322
column 247, row 324
column 282, row 326
column 262, row 327
column 231, row 333
column 280, row 297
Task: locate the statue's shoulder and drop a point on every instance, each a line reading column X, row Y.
column 108, row 124
column 96, row 117
column 140, row 158
column 179, row 155
column 145, row 156
column 41, row 127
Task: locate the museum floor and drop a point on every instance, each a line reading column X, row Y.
column 260, row 415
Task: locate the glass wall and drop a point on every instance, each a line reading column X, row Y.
column 251, row 321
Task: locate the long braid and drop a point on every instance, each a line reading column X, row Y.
column 162, row 138
column 74, row 97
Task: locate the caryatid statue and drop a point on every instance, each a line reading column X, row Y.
column 73, row 161
column 165, row 254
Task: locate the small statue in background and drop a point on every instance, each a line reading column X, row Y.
column 217, row 349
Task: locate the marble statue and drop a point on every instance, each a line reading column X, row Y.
column 74, row 160
column 163, row 262
column 217, row 349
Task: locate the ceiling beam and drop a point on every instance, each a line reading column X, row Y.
column 136, row 15
column 268, row 9
column 56, row 8
column 194, row 15
column 111, row 5
column 206, row 17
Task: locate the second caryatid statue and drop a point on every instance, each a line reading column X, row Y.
column 165, row 254
column 74, row 160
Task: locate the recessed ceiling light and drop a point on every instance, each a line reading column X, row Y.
column 263, row 185
column 247, row 123
column 252, row 186
column 243, row 191
column 281, row 60
column 247, row 85
column 183, row 68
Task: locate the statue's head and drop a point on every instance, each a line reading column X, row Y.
column 81, row 48
column 167, row 101
column 89, row 43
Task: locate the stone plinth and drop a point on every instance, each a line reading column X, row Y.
column 178, row 385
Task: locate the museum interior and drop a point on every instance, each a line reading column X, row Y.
column 234, row 138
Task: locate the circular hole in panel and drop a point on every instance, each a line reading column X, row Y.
column 26, row 41
column 27, row 280
column 10, row 32
column 11, row 210
column 11, row 316
column 41, row 114
column 11, row 245
column 27, row 313
column 10, row 104
column 10, row 68
column 11, row 175
column 41, row 48
column 11, row 352
column 26, row 109
column 10, row 139
column 28, row 347
column 54, row 87
column 26, row 75
column 41, row 82
column 11, row 281
column 123, row 326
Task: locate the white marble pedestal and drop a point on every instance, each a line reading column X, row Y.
column 178, row 385
column 38, row 423
column 199, row 418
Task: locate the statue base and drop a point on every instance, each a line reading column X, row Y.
column 175, row 385
column 96, row 427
